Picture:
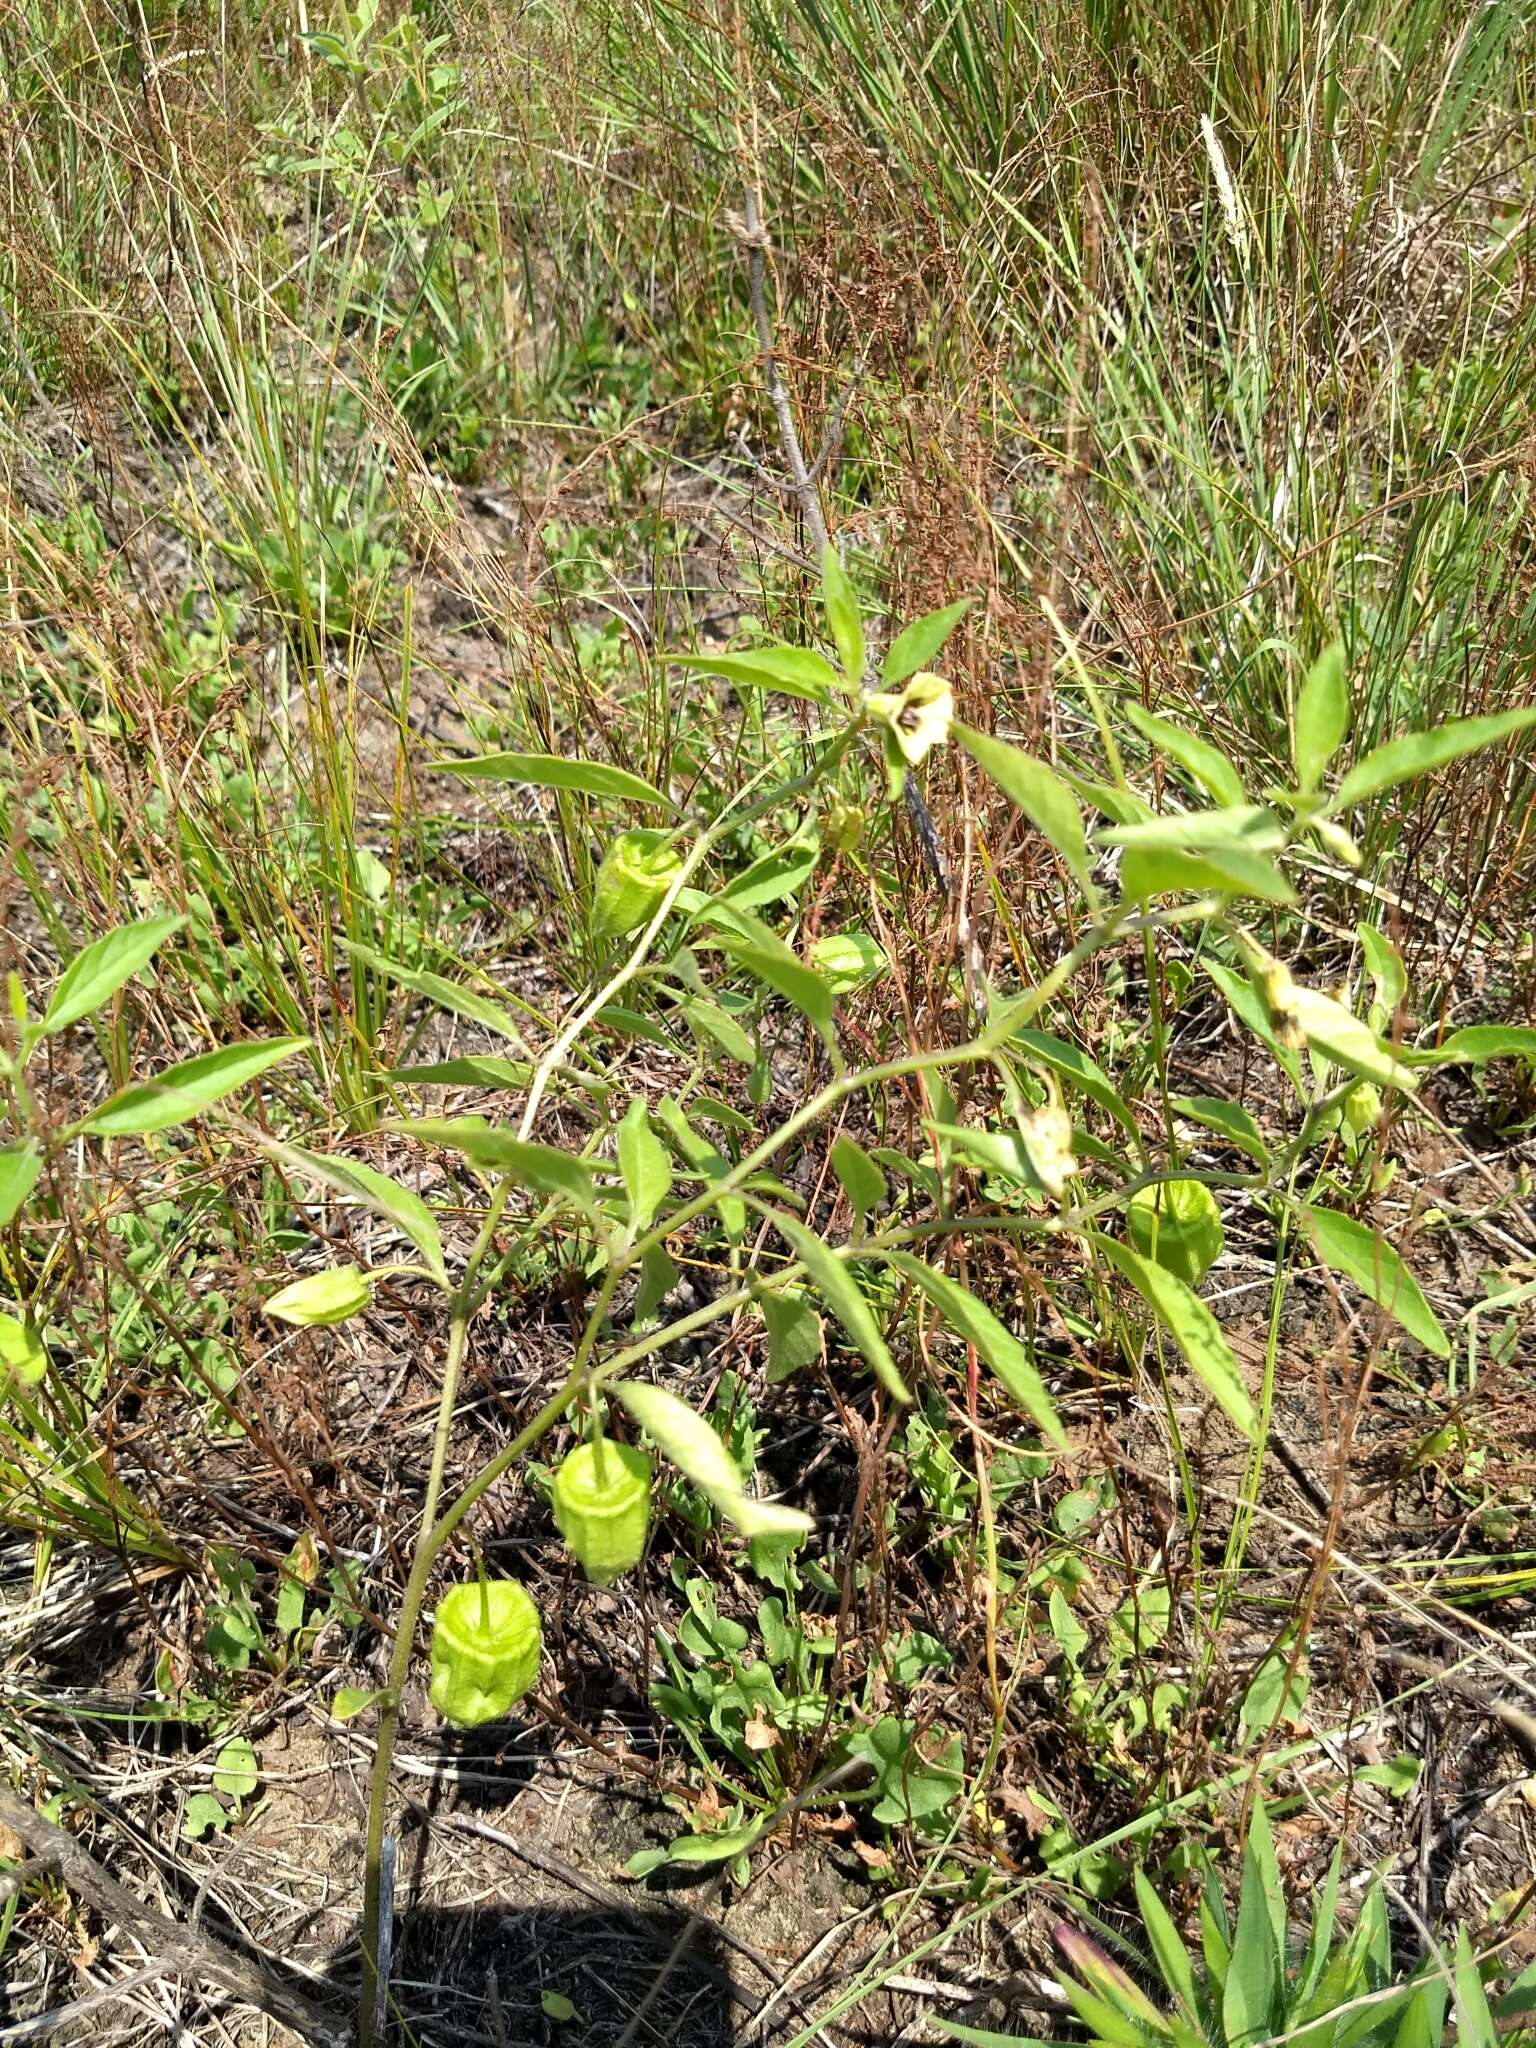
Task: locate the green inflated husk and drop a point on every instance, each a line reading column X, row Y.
column 602, row 1502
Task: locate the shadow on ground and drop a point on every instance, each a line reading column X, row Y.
column 512, row 1978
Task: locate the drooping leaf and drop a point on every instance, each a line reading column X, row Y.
column 385, row 1197
column 1346, row 1039
column 1364, row 1256
column 916, row 645
column 838, row 1289
column 1074, row 1065
column 862, row 1181
column 1227, row 1119
column 541, row 1167
column 185, row 1090
column 1246, row 1001
column 1421, row 753
column 1322, row 716
column 796, row 671
column 658, row 1277
column 436, row 988
column 787, row 975
column 712, row 1021
column 100, row 969
column 1207, row 764
column 794, row 1332
column 976, row 1323
column 1039, row 793
column 644, row 1163
column 20, row 1165
column 843, row 620
column 1191, row 1325
column 469, row 1070
column 698, row 1453
column 554, row 771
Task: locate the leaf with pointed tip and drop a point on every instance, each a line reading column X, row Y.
column 839, row 1290
column 645, row 1166
column 843, row 620
column 916, row 645
column 1191, row 1325
column 185, row 1090
column 862, row 1181
column 1475, row 1044
column 385, row 1197
column 1421, row 753
column 101, row 969
column 698, row 1453
column 448, row 995
column 1322, row 716
column 976, row 1323
column 540, row 1167
column 554, row 771
column 1039, row 793
column 796, row 671
column 1207, row 764
column 1364, row 1256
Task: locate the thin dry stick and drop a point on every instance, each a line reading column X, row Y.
column 753, row 237
column 178, row 1951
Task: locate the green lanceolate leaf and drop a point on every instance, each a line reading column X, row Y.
column 838, row 1289
column 554, row 771
column 862, row 1181
column 185, row 1090
column 448, row 995
column 1039, row 793
column 644, row 1164
column 773, row 964
column 102, row 968
column 1420, row 753
column 1475, row 1044
column 1236, row 828
column 796, row 671
column 1074, row 1065
column 1384, row 964
column 1191, row 1325
column 20, row 1166
column 843, row 620
column 1227, row 1120
column 916, row 645
column 1207, row 764
column 976, row 1323
column 794, row 1332
column 540, row 1167
column 469, row 1070
column 1149, row 871
column 1322, row 716
column 385, row 1197
column 1173, row 1958
column 783, row 872
column 1250, row 1997
column 1364, row 1256
column 711, row 1021
column 697, row 1452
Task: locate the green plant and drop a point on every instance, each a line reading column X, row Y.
column 1255, row 1980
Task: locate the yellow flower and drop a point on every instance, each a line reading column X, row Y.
column 919, row 718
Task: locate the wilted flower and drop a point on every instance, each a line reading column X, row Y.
column 1047, row 1135
column 918, row 717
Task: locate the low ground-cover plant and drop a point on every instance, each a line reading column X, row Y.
column 1043, row 1151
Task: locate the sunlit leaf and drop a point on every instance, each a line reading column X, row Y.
column 916, row 645
column 1322, row 716
column 1039, row 793
column 796, row 671
column 185, row 1090
column 838, row 1289
column 698, row 1453
column 554, row 771
column 101, row 969
column 1364, row 1256
column 976, row 1323
column 1420, row 753
column 1191, row 1325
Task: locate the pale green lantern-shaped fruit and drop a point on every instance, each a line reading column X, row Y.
column 486, row 1641
column 637, row 871
column 1178, row 1224
column 602, row 1502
